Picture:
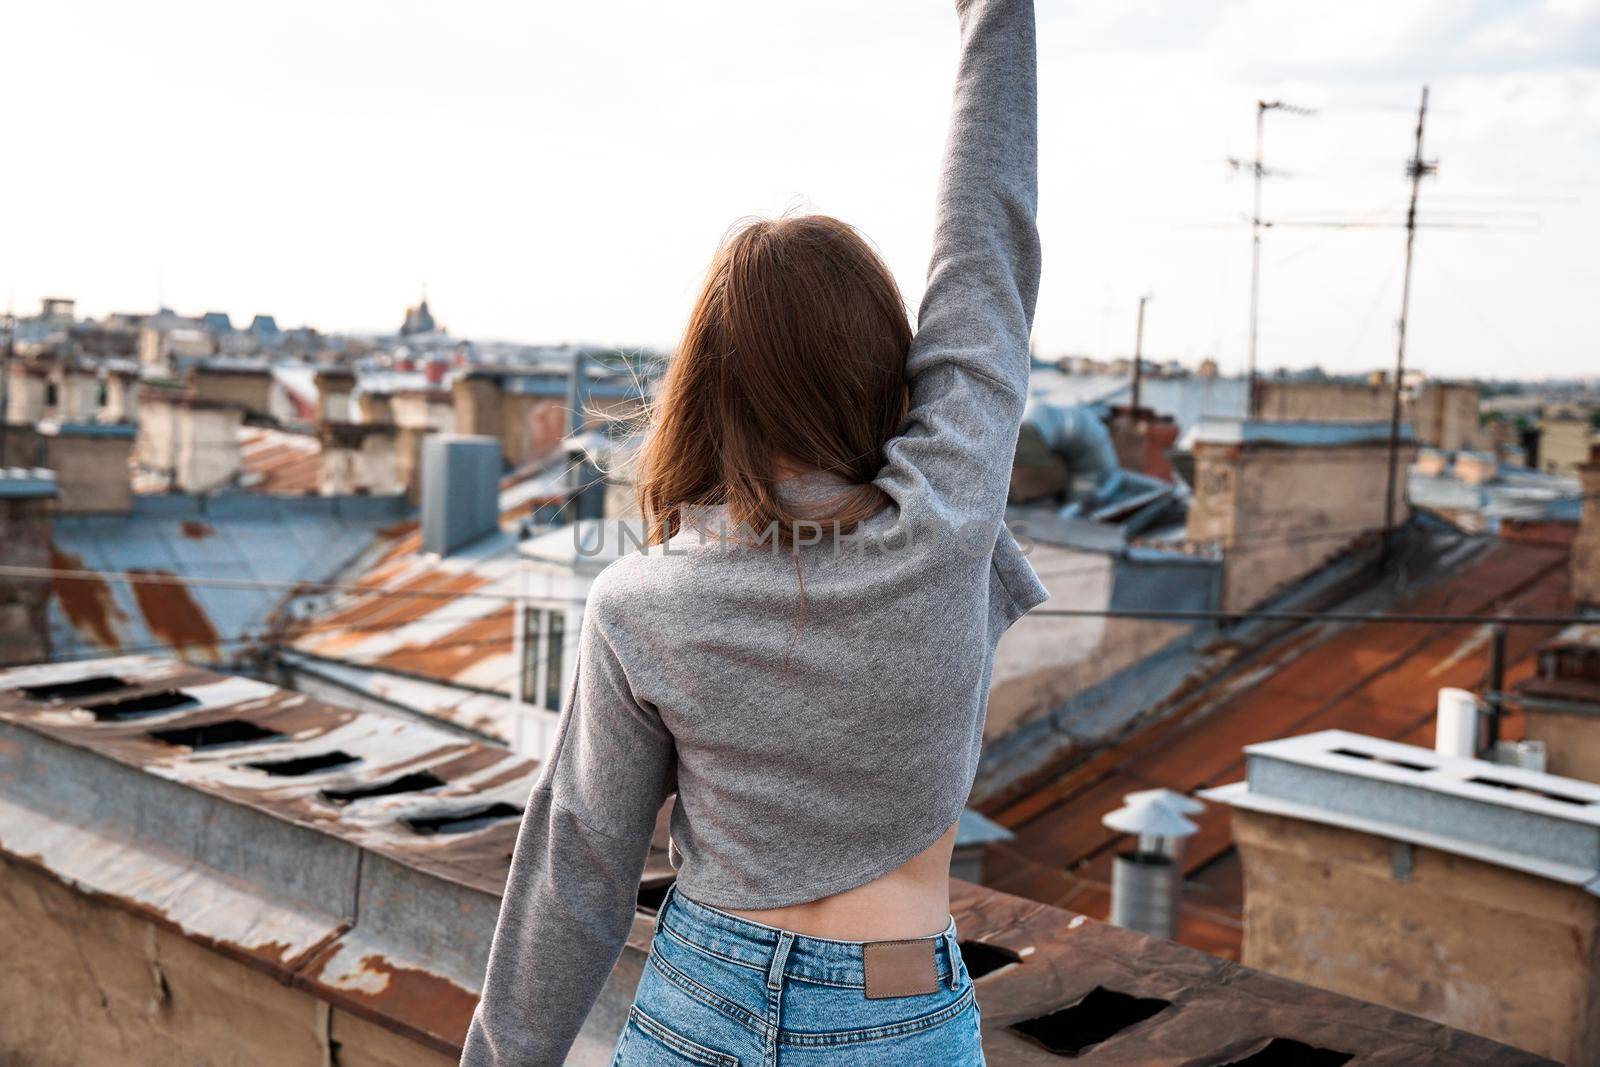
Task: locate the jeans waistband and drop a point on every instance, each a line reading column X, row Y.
column 758, row 946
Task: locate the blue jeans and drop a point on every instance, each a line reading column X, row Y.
column 722, row 991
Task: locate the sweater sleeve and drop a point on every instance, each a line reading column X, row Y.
column 570, row 899
column 969, row 361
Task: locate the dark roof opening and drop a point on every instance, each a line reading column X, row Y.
column 1102, row 1014
column 461, row 822
column 215, row 734
column 1282, row 1052
column 301, row 765
column 144, row 704
column 415, row 782
column 1517, row 787
column 983, row 958
column 651, row 896
column 1391, row 761
column 94, row 685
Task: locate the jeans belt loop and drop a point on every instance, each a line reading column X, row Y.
column 780, row 956
column 952, row 953
column 662, row 910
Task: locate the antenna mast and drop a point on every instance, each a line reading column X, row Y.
column 1259, row 169
column 1417, row 168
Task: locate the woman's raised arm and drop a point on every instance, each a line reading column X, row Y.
column 969, row 362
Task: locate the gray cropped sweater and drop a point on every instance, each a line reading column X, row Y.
column 813, row 745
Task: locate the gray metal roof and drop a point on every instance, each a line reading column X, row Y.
column 1525, row 820
column 277, row 540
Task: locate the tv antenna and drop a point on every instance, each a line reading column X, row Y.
column 1259, row 170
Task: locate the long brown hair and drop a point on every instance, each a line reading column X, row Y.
column 796, row 350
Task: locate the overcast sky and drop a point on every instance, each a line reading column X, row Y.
column 563, row 171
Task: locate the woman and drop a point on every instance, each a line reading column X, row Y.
column 804, row 655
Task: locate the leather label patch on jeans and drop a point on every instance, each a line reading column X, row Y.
column 900, row 968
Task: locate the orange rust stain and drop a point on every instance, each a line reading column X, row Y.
column 405, row 540
column 195, row 530
column 453, row 654
column 173, row 617
column 276, row 951
column 431, row 1004
column 399, row 529
column 363, row 616
column 86, row 602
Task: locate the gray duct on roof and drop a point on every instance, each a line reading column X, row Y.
column 460, row 490
column 1055, row 436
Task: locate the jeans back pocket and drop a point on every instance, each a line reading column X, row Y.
column 647, row 1042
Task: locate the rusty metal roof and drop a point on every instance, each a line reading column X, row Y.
column 278, row 461
column 360, row 858
column 433, row 646
column 1379, row 679
column 182, row 541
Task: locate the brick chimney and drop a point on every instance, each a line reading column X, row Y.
column 1282, row 498
column 25, row 498
column 360, row 459
column 1425, row 883
column 28, row 391
column 122, row 397
column 248, row 386
column 194, row 442
column 77, row 393
column 335, row 385
column 91, row 465
column 1561, row 703
column 528, row 412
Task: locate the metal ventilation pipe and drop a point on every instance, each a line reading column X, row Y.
column 460, row 490
column 1146, row 882
column 1456, row 729
column 1077, row 438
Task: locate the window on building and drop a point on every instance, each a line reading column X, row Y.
column 531, row 618
column 552, row 674
column 542, row 657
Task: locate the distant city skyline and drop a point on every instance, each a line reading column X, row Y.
column 564, row 174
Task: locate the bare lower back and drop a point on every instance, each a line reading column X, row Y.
column 913, row 900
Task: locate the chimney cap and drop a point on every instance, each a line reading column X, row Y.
column 1181, row 803
column 1150, row 816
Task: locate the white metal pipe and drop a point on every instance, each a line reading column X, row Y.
column 1456, row 729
